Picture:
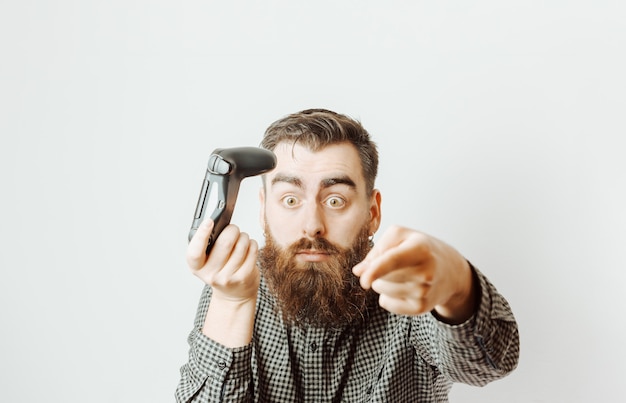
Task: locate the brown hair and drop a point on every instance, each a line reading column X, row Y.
column 318, row 128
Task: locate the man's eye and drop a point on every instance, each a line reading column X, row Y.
column 290, row 201
column 335, row 202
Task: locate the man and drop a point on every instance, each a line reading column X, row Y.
column 320, row 314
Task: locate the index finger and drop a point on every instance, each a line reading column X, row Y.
column 196, row 250
column 387, row 256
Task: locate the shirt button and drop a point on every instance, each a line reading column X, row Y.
column 221, row 365
column 313, row 347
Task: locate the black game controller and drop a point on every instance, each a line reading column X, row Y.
column 226, row 169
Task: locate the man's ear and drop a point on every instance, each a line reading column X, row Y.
column 262, row 210
column 375, row 211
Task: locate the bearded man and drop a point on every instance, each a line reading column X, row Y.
column 320, row 313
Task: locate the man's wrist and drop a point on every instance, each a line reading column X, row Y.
column 463, row 304
column 230, row 321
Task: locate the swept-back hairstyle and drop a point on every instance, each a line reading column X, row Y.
column 318, row 128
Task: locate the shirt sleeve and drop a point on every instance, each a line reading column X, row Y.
column 478, row 351
column 213, row 373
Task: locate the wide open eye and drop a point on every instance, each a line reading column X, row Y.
column 335, row 202
column 290, row 201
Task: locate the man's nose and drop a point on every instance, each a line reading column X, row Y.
column 313, row 226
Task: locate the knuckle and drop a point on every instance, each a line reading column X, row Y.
column 420, row 305
column 243, row 242
column 422, row 248
column 391, row 261
column 194, row 262
column 397, row 230
column 428, row 277
column 226, row 240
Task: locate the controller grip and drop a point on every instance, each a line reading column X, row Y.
column 227, row 188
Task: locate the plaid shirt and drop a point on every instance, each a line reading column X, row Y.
column 390, row 358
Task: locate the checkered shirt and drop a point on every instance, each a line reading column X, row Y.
column 390, row 358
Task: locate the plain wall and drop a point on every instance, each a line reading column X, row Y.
column 500, row 127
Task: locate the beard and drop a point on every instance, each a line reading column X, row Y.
column 322, row 294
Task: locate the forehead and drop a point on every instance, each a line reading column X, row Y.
column 332, row 160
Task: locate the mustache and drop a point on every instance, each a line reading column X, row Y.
column 319, row 244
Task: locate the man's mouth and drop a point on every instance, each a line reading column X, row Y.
column 312, row 255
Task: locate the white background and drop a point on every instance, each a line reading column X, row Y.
column 500, row 126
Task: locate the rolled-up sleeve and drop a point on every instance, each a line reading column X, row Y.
column 478, row 351
column 214, row 373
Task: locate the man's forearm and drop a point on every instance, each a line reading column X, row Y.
column 230, row 323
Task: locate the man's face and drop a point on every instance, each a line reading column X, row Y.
column 318, row 195
column 317, row 218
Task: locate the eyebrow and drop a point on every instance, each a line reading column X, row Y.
column 325, row 183
column 281, row 178
column 341, row 180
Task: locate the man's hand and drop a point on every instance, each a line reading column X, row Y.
column 415, row 273
column 230, row 269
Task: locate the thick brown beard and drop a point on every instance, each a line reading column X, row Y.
column 321, row 294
